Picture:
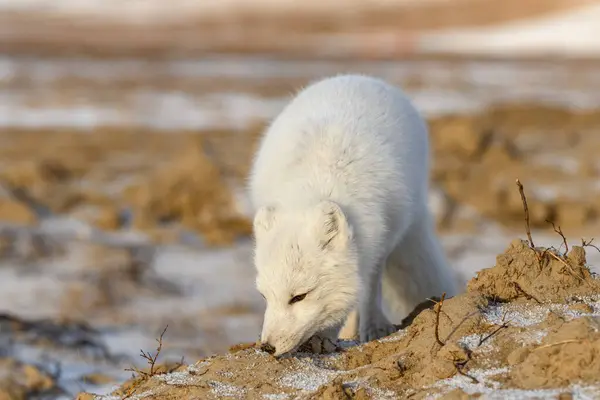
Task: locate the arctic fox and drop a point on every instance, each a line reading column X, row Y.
column 339, row 187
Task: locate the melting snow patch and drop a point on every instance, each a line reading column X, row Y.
column 375, row 393
column 517, row 315
column 399, row 335
column 175, row 378
column 277, row 396
column 308, row 377
column 490, row 390
column 473, row 342
column 137, row 396
column 466, row 384
column 578, row 392
column 195, row 368
column 226, row 390
column 182, row 377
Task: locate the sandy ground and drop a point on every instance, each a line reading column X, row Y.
column 525, row 328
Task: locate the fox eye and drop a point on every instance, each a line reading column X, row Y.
column 297, row 298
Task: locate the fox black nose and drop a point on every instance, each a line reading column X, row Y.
column 268, row 347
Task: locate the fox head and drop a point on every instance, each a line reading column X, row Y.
column 307, row 271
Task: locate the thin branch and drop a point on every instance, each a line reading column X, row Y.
column 461, row 372
column 150, row 359
column 495, row 331
column 437, row 319
column 589, row 244
column 526, row 209
column 560, row 232
column 460, row 366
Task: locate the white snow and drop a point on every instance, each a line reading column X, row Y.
column 575, row 32
column 446, row 87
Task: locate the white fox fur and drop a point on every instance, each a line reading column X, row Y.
column 339, row 185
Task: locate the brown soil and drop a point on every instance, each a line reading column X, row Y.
column 477, row 160
column 185, row 179
column 251, row 31
column 545, row 336
column 162, row 179
column 20, row 381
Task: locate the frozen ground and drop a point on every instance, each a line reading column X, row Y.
column 84, row 94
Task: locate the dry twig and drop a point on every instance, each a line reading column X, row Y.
column 589, row 244
column 495, row 331
column 437, row 319
column 151, row 362
column 460, row 366
column 560, row 232
column 461, row 372
column 150, row 359
column 526, row 209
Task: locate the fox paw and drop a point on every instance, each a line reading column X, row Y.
column 376, row 329
column 318, row 345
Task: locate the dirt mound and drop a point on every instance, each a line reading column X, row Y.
column 543, row 337
column 157, row 183
column 477, row 158
column 191, row 191
column 542, row 275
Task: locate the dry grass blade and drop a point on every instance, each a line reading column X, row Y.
column 566, row 264
column 556, row 344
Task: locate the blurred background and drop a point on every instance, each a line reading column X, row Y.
column 127, row 128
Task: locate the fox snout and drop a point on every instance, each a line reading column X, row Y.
column 267, row 347
column 277, row 342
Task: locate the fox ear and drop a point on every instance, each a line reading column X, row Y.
column 264, row 219
column 333, row 229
